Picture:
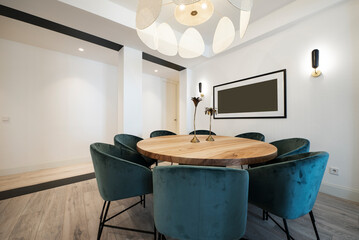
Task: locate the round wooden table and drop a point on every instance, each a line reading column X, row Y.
column 224, row 151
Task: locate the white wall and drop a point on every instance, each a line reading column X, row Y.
column 130, row 91
column 57, row 104
column 156, row 96
column 325, row 110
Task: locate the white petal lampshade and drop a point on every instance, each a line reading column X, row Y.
column 147, row 12
column 167, row 41
column 149, row 36
column 224, row 35
column 245, row 5
column 191, row 44
column 184, row 2
column 244, row 21
column 194, row 14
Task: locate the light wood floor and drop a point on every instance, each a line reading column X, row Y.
column 72, row 212
column 41, row 176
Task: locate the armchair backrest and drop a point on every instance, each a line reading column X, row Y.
column 159, row 133
column 118, row 175
column 192, row 202
column 289, row 188
column 291, row 146
column 127, row 141
column 202, row 132
column 252, row 135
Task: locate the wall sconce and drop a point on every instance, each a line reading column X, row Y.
column 315, row 63
column 200, row 89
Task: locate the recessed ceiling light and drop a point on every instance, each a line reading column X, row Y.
column 204, row 6
column 156, row 70
column 182, row 7
column 81, row 49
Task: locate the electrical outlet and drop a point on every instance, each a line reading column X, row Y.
column 334, row 171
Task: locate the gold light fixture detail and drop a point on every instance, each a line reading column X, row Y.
column 194, row 14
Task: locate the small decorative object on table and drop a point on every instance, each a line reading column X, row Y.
column 195, row 100
column 210, row 112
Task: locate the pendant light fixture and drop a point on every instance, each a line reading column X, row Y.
column 190, row 13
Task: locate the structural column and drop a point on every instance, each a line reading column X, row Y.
column 185, row 104
column 130, row 119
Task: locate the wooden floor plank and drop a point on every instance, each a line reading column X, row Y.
column 51, row 225
column 28, row 222
column 75, row 223
column 72, row 212
column 93, row 206
column 11, row 213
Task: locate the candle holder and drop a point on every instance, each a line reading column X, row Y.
column 195, row 100
column 210, row 112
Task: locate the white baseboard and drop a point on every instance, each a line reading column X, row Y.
column 9, row 171
column 340, row 191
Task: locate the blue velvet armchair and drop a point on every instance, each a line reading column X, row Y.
column 159, row 133
column 252, row 135
column 129, row 142
column 291, row 146
column 202, row 132
column 119, row 175
column 287, row 147
column 289, row 187
column 200, row 203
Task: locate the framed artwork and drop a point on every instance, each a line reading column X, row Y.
column 262, row 96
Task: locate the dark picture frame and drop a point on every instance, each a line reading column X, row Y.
column 261, row 96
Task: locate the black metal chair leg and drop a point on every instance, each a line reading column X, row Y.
column 265, row 215
column 314, row 226
column 286, row 228
column 102, row 218
column 154, row 232
column 100, row 224
column 144, row 201
column 161, row 236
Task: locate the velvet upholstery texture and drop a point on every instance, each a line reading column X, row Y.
column 159, row 133
column 287, row 147
column 202, row 203
column 118, row 173
column 291, row 146
column 252, row 135
column 201, row 132
column 130, row 143
column 290, row 187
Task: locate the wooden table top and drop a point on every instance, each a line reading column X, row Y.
column 224, row 151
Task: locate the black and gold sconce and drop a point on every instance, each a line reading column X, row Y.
column 315, row 63
column 200, row 89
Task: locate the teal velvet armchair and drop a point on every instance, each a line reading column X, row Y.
column 291, row 146
column 200, row 203
column 159, row 133
column 119, row 176
column 202, row 132
column 129, row 142
column 289, row 187
column 252, row 135
column 287, row 147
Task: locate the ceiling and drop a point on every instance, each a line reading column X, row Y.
column 39, row 37
column 114, row 20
